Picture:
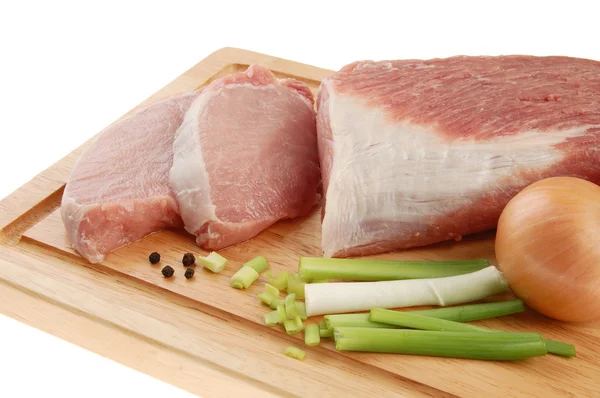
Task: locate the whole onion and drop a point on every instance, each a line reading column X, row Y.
column 548, row 247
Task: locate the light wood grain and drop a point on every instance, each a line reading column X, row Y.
column 157, row 310
column 224, row 343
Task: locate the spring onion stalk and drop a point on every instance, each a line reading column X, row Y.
column 214, row 262
column 472, row 345
column 345, row 269
column 272, row 318
column 259, row 264
column 281, row 312
column 343, row 297
column 278, row 280
column 275, row 303
column 243, row 278
column 326, row 333
column 463, row 313
column 352, row 320
column 312, row 336
column 474, row 312
column 270, row 294
column 293, row 326
column 415, row 321
column 294, row 352
column 560, row 348
column 296, row 286
column 301, row 307
column 290, row 306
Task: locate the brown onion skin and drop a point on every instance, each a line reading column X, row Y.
column 548, row 247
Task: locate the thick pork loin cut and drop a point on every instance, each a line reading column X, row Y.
column 422, row 151
column 119, row 191
column 245, row 157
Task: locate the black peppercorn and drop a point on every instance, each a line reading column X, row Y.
column 189, row 273
column 154, row 258
column 188, row 259
column 168, row 271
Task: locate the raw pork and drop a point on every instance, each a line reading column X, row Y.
column 421, row 151
column 245, row 157
column 119, row 190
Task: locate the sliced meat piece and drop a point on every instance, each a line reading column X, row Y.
column 119, row 191
column 245, row 157
column 422, row 151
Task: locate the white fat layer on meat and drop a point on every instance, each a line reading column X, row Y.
column 188, row 175
column 404, row 172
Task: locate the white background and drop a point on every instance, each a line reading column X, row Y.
column 68, row 69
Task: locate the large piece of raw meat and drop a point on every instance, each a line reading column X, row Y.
column 245, row 157
column 421, row 151
column 119, row 191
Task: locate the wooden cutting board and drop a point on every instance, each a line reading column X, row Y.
column 205, row 337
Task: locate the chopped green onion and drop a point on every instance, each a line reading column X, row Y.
column 415, row 321
column 214, row 262
column 279, row 280
column 473, row 345
column 322, row 324
column 290, row 306
column 243, row 278
column 281, row 312
column 293, row 326
column 259, row 264
column 295, row 353
column 295, row 285
column 463, row 313
column 270, row 294
column 301, row 307
column 275, row 303
column 272, row 318
column 326, row 332
column 312, row 335
column 316, row 268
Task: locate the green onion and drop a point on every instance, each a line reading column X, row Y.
column 281, row 312
column 290, row 306
column 270, row 294
column 272, row 318
column 278, row 280
column 316, row 268
column 293, row 326
column 259, row 264
column 347, row 297
column 473, row 345
column 295, row 353
column 462, row 313
column 295, row 285
column 351, row 320
column 243, row 278
column 415, row 321
column 474, row 312
column 312, row 336
column 325, row 332
column 560, row 348
column 275, row 303
column 301, row 307
column 214, row 262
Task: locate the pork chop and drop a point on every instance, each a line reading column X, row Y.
column 245, row 157
column 119, row 191
column 416, row 152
